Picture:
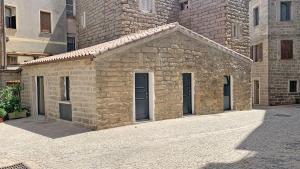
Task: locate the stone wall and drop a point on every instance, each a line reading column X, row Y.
column 238, row 13
column 82, row 89
column 207, row 18
column 133, row 19
column 110, row 19
column 214, row 19
column 167, row 58
column 102, row 18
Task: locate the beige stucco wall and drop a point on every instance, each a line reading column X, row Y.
column 82, row 89
column 167, row 58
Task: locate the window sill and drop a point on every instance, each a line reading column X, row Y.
column 11, row 31
column 149, row 13
column 65, row 102
column 71, row 17
column 287, row 59
column 45, row 34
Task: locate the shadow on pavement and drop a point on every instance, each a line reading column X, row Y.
column 275, row 144
column 48, row 128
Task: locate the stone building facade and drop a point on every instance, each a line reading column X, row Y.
column 224, row 21
column 276, row 78
column 110, row 19
column 105, row 79
column 217, row 20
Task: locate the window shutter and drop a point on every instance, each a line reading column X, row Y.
column 13, row 22
column 45, row 22
column 260, row 52
column 286, row 49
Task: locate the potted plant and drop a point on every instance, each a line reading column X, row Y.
column 10, row 101
column 3, row 114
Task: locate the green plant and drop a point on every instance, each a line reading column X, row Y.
column 10, row 99
column 3, row 113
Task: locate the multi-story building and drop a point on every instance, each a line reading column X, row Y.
column 48, row 28
column 275, row 35
column 225, row 22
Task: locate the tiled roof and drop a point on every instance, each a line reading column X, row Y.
column 124, row 40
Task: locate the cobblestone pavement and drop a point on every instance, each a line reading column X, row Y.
column 255, row 139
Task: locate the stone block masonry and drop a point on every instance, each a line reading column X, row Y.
column 110, row 19
column 167, row 58
column 82, row 89
column 214, row 19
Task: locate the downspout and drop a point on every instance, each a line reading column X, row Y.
column 3, row 46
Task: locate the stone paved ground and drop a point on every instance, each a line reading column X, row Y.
column 251, row 139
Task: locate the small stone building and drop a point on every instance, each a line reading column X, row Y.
column 156, row 74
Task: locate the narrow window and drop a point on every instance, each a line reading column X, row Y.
column 10, row 17
column 12, row 60
column 147, row 6
column 285, row 11
column 256, row 16
column 45, row 21
column 71, row 42
column 286, row 49
column 83, row 20
column 256, row 53
column 70, row 8
column 293, row 86
column 236, row 30
column 184, row 5
column 65, row 88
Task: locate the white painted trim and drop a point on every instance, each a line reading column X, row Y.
column 193, row 93
column 231, row 93
column 278, row 11
column 16, row 13
column 36, row 96
column 151, row 84
column 253, row 89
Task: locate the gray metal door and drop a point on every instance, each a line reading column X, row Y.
column 227, row 93
column 142, row 96
column 256, row 92
column 40, row 95
column 187, row 93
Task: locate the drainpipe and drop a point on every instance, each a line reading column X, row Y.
column 3, row 46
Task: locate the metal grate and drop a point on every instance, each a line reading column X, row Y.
column 16, row 166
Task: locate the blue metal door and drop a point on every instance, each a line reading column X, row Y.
column 187, row 93
column 141, row 96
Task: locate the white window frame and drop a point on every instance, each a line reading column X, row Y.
column 83, row 20
column 253, row 91
column 236, row 30
column 278, row 11
column 289, row 86
column 51, row 21
column 151, row 95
